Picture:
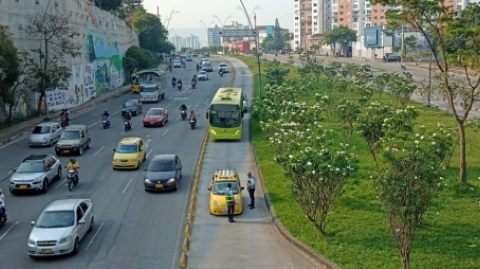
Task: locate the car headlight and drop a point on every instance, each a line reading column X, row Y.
column 76, row 145
column 172, row 180
column 30, row 241
column 237, row 202
column 214, row 203
column 148, row 181
column 45, row 138
column 67, row 239
column 213, row 132
column 133, row 160
column 37, row 180
column 116, row 160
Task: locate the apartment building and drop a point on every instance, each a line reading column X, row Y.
column 191, row 42
column 312, row 19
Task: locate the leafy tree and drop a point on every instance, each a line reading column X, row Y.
column 108, row 5
column 10, row 70
column 138, row 58
column 268, row 42
column 454, row 40
column 411, row 44
column 128, row 8
column 151, row 33
column 47, row 62
column 279, row 41
column 409, row 175
column 340, row 35
column 276, row 73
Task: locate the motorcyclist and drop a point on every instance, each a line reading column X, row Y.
column 74, row 165
column 220, row 71
column 179, row 82
column 183, row 107
column 403, row 65
column 128, row 117
column 194, row 78
column 198, row 67
column 192, row 116
column 170, row 67
column 2, row 210
column 107, row 115
column 65, row 116
column 174, row 80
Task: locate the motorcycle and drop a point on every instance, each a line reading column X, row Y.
column 179, row 86
column 128, row 126
column 198, row 67
column 72, row 180
column 183, row 114
column 3, row 218
column 105, row 122
column 192, row 122
column 174, row 83
column 194, row 84
column 184, row 65
column 404, row 67
column 170, row 68
column 221, row 73
column 64, row 122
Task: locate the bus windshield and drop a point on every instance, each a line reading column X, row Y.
column 225, row 118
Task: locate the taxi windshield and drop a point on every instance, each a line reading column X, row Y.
column 122, row 148
column 220, row 187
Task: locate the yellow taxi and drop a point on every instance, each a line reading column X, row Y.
column 129, row 153
column 220, row 179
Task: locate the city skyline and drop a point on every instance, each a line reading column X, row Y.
column 191, row 41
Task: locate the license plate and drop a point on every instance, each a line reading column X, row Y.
column 36, row 142
column 23, row 187
column 159, row 186
column 124, row 164
column 151, row 122
column 46, row 251
column 225, row 210
column 66, row 151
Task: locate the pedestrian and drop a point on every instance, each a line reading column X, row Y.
column 251, row 190
column 230, row 199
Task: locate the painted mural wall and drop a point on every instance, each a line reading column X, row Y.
column 104, row 39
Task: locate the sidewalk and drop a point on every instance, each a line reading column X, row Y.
column 20, row 130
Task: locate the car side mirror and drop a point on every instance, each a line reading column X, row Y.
column 242, row 188
column 209, row 188
column 82, row 221
column 145, row 169
column 32, row 223
column 113, row 150
column 14, row 169
column 48, row 168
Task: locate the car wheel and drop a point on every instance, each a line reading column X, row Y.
column 45, row 185
column 134, row 113
column 50, row 143
column 59, row 173
column 145, row 156
column 76, row 246
column 89, row 144
column 166, row 119
column 138, row 165
column 80, row 151
column 176, row 185
column 92, row 224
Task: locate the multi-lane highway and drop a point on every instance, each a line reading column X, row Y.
column 133, row 229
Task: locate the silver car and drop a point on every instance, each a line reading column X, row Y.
column 177, row 64
column 60, row 227
column 202, row 75
column 223, row 67
column 45, row 134
column 35, row 173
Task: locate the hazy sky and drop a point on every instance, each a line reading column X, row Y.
column 192, row 11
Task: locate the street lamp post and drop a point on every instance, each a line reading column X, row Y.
column 258, row 50
column 169, row 18
column 206, row 29
column 229, row 16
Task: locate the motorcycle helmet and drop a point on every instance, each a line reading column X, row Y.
column 72, row 160
column 191, row 111
column 105, row 111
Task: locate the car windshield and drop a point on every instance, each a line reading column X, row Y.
column 225, row 118
column 70, row 135
column 202, row 73
column 56, row 219
column 155, row 112
column 130, row 103
column 220, row 187
column 41, row 130
column 223, row 65
column 149, row 89
column 176, row 62
column 161, row 166
column 122, row 148
column 30, row 167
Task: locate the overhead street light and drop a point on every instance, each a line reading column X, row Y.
column 206, row 28
column 229, row 16
column 169, row 18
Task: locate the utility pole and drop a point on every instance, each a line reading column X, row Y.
column 429, row 93
column 257, row 41
column 403, row 43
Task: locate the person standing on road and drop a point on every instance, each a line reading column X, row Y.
column 251, row 190
column 230, row 199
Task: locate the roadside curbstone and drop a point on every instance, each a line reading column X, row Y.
column 188, row 230
column 183, row 260
column 185, row 244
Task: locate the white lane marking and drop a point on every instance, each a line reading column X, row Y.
column 94, row 124
column 95, row 235
column 128, row 184
column 138, row 127
column 102, row 178
column 150, row 151
column 147, row 142
column 98, row 151
column 165, row 132
column 115, row 112
column 94, row 114
column 61, row 184
column 168, row 105
column 206, row 101
column 9, row 172
column 3, row 235
column 178, row 117
column 200, row 110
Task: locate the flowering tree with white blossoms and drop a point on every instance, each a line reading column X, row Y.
column 409, row 175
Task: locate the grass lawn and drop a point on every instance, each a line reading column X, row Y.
column 358, row 231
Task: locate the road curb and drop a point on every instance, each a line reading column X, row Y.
column 76, row 111
column 306, row 250
column 193, row 195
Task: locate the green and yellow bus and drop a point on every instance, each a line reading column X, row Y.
column 225, row 114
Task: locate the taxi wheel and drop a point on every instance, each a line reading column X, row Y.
column 138, row 165
column 76, row 246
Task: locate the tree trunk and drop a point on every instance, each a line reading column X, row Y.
column 406, row 261
column 44, row 90
column 463, row 153
column 39, row 105
column 10, row 113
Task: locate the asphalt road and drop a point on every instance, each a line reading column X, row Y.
column 251, row 242
column 133, row 229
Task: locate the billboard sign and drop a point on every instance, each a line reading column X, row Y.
column 237, row 33
column 372, row 37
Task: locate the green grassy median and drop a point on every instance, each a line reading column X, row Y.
column 358, row 233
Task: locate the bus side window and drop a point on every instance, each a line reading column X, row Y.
column 208, row 110
column 241, row 113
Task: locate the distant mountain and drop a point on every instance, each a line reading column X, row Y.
column 200, row 32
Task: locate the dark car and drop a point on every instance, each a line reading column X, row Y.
column 207, row 67
column 163, row 173
column 393, row 58
column 134, row 106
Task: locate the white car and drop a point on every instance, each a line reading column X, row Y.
column 202, row 75
column 177, row 64
column 223, row 66
column 60, row 227
column 45, row 134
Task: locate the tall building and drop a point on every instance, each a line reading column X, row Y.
column 213, row 36
column 302, row 24
column 190, row 42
